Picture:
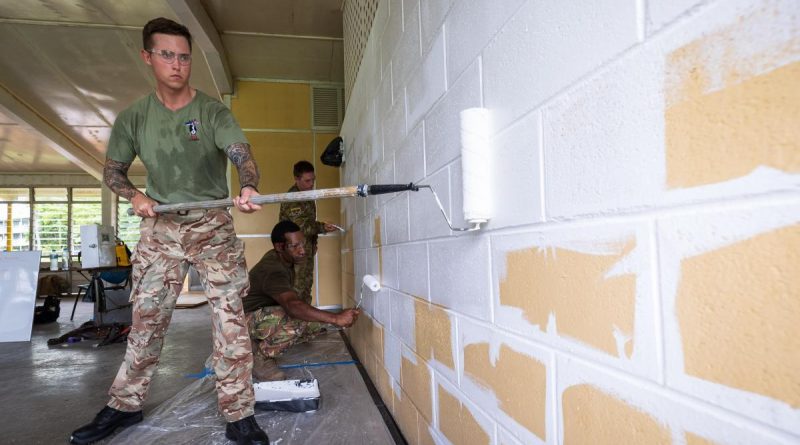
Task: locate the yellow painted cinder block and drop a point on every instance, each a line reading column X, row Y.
column 511, row 372
column 405, row 413
column 588, row 305
column 262, row 105
column 593, row 416
column 738, row 309
column 329, row 268
column 722, row 120
column 433, row 333
column 457, row 422
column 416, row 382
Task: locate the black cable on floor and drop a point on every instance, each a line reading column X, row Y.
column 391, row 425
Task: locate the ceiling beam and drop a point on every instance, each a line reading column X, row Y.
column 205, row 36
column 27, row 118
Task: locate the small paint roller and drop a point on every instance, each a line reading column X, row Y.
column 371, row 283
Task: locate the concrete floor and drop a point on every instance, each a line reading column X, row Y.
column 50, row 391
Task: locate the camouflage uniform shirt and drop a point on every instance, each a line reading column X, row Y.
column 304, row 214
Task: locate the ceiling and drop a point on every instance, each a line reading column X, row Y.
column 67, row 67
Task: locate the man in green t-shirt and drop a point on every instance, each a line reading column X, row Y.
column 277, row 317
column 304, row 214
column 184, row 138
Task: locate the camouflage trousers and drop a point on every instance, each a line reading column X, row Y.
column 274, row 331
column 168, row 244
column 304, row 273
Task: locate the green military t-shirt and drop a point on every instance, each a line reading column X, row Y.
column 182, row 150
column 269, row 277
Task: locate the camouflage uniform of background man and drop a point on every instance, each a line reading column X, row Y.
column 304, row 214
column 184, row 139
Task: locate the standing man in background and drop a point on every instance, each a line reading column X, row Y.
column 184, row 138
column 304, row 214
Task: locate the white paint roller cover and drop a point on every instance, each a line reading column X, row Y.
column 372, row 283
column 476, row 165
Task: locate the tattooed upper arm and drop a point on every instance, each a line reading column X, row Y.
column 115, row 176
column 242, row 158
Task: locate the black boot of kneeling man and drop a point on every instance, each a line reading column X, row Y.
column 246, row 432
column 103, row 425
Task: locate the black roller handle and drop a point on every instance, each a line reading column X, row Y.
column 380, row 189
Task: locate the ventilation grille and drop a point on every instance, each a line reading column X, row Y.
column 327, row 107
column 358, row 16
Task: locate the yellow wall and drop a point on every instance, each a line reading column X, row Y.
column 277, row 121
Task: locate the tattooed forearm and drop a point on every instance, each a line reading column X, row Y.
column 241, row 157
column 115, row 176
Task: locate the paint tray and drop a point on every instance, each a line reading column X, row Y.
column 298, row 396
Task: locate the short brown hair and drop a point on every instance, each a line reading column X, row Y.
column 163, row 25
column 302, row 167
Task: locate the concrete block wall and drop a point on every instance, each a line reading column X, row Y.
column 639, row 282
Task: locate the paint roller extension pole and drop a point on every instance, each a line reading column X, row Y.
column 309, row 195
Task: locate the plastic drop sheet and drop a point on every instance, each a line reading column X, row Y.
column 346, row 414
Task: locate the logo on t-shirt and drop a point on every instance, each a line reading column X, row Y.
column 191, row 127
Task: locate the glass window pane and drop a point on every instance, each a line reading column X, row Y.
column 49, row 228
column 14, row 194
column 83, row 214
column 49, row 194
column 86, row 194
column 127, row 226
column 17, row 224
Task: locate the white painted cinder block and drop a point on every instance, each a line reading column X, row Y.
column 409, row 160
column 443, row 124
column 516, row 174
column 662, row 12
column 408, row 53
column 469, row 26
column 374, row 263
column 382, row 308
column 385, row 99
column 425, row 218
column 427, row 83
column 547, row 46
column 392, row 31
column 459, row 274
column 389, row 269
column 603, row 143
column 432, row 15
column 392, row 350
column 413, row 270
column 403, row 314
column 396, row 221
column 394, row 126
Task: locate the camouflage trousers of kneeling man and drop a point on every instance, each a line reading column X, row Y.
column 274, row 331
column 169, row 243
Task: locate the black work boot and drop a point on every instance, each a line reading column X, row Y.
column 104, row 423
column 246, row 432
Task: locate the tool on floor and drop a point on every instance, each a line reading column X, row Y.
column 372, row 283
column 475, row 173
column 298, row 396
